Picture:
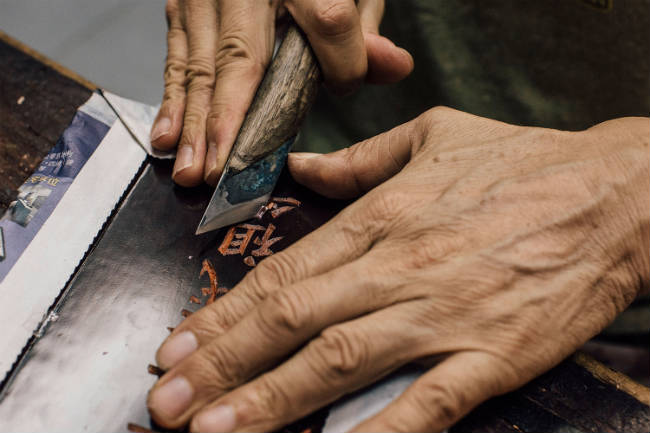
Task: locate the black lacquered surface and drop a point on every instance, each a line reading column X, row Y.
column 89, row 369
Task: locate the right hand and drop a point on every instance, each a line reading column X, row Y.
column 486, row 251
column 218, row 51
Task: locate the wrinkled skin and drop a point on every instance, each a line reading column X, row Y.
column 488, row 251
column 218, row 50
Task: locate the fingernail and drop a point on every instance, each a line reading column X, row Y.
column 303, row 156
column 160, row 128
column 211, row 161
column 218, row 419
column 176, row 348
column 184, row 159
column 171, row 399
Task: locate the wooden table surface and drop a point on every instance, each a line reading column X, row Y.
column 38, row 99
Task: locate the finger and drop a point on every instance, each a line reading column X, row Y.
column 246, row 38
column 442, row 396
column 342, row 359
column 278, row 326
column 201, row 25
column 387, row 63
column 342, row 240
column 333, row 28
column 355, row 170
column 370, row 14
column 167, row 126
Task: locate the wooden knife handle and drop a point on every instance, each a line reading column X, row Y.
column 283, row 98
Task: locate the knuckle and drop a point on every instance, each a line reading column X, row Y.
column 434, row 116
column 192, row 135
column 218, row 112
column 256, row 284
column 355, row 231
column 422, row 252
column 171, row 10
column 351, row 156
column 285, row 313
column 174, row 92
column 411, row 131
column 275, row 270
column 222, row 115
column 200, row 74
column 267, row 399
column 204, row 323
column 386, row 206
column 445, row 405
column 222, row 368
column 236, row 50
column 193, row 123
column 439, row 112
column 334, row 18
column 174, row 70
column 338, row 354
column 229, row 311
column 175, row 38
column 439, row 123
column 354, row 158
column 545, row 135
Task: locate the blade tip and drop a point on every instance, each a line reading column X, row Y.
column 200, row 230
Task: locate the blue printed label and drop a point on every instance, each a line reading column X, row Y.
column 42, row 191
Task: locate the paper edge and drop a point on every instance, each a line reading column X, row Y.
column 26, row 295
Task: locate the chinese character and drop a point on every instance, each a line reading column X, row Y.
column 239, row 237
column 265, row 243
column 238, row 240
column 237, row 243
column 213, row 290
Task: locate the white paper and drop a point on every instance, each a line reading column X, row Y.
column 138, row 119
column 50, row 259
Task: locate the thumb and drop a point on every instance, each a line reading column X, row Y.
column 353, row 171
column 387, row 63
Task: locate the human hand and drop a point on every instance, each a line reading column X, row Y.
column 218, row 51
column 486, row 250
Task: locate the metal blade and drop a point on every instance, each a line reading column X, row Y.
column 239, row 195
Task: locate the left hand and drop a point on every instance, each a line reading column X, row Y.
column 218, row 52
column 495, row 250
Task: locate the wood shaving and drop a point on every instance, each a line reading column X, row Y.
column 135, row 428
column 155, row 370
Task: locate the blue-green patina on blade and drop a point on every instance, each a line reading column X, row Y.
column 259, row 178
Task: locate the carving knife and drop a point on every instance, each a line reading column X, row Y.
column 269, row 129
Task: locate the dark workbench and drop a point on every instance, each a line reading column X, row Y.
column 38, row 100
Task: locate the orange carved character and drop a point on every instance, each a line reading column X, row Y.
column 213, row 290
column 236, row 243
column 265, row 242
column 239, row 237
column 276, row 210
column 291, row 203
column 238, row 240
